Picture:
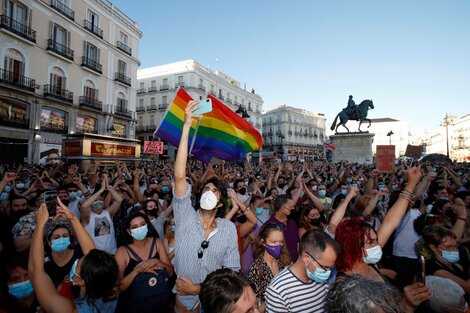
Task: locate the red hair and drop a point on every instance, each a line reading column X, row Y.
column 350, row 235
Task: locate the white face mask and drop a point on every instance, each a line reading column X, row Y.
column 208, row 200
column 374, row 255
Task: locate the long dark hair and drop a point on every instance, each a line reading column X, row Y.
column 99, row 271
column 151, row 230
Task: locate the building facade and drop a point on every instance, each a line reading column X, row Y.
column 293, row 134
column 67, row 67
column 157, row 87
column 454, row 133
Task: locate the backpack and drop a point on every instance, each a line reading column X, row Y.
column 150, row 292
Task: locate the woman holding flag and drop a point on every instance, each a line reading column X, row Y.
column 204, row 240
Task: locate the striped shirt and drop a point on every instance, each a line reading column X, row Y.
column 221, row 252
column 287, row 293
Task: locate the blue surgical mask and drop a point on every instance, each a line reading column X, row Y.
column 4, row 196
column 380, row 187
column 7, row 189
column 322, row 193
column 332, row 179
column 451, row 256
column 349, row 180
column 60, row 244
column 319, row 276
column 374, row 255
column 21, row 290
column 394, row 187
column 259, row 211
column 139, row 233
column 344, row 192
column 173, row 229
column 73, row 195
column 165, row 189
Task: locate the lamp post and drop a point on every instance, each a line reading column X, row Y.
column 446, row 123
column 390, row 133
column 281, row 137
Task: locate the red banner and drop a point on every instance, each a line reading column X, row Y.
column 103, row 149
column 386, row 159
column 153, row 147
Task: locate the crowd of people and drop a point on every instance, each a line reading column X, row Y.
column 185, row 236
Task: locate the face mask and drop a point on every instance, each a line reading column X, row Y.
column 20, row 186
column 259, row 211
column 319, row 275
column 21, row 290
column 322, row 193
column 444, row 198
column 394, row 187
column 173, row 229
column 451, row 256
column 315, row 222
column 4, row 196
column 7, row 189
column 152, row 212
column 314, row 188
column 242, row 191
column 349, row 180
column 139, row 233
column 332, row 179
column 60, row 244
column 97, row 206
column 165, row 189
column 380, row 187
column 274, row 251
column 344, row 192
column 208, row 200
column 373, row 255
column 282, row 186
column 73, row 195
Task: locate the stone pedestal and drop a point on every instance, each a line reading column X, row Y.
column 353, row 147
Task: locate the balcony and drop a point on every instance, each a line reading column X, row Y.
column 60, row 49
column 163, row 106
column 91, row 27
column 59, row 93
column 124, row 48
column 118, row 110
column 180, row 84
column 141, row 91
column 17, row 80
column 63, row 9
column 152, row 107
column 92, row 64
column 140, row 109
column 89, row 102
column 201, row 87
column 164, row 87
column 229, row 101
column 17, row 28
column 152, row 89
column 122, row 78
column 221, row 97
column 140, row 129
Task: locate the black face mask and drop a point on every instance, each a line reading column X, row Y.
column 66, row 202
column 241, row 219
column 242, row 191
column 150, row 193
column 282, row 186
column 153, row 212
column 19, row 214
column 449, row 213
column 316, row 222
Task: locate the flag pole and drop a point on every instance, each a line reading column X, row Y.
column 194, row 136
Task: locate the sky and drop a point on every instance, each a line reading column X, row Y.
column 412, row 58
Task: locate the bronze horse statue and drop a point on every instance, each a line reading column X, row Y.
column 356, row 114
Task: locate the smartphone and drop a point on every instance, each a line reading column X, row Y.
column 421, row 277
column 50, row 199
column 205, row 106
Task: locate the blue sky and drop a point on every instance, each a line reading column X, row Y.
column 412, row 58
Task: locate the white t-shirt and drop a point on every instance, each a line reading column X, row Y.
column 406, row 237
column 101, row 230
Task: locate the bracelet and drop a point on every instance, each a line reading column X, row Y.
column 462, row 219
column 405, row 194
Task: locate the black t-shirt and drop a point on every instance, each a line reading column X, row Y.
column 58, row 273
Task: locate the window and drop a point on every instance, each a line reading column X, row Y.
column 124, row 38
column 180, row 79
column 152, row 119
column 14, row 64
column 60, row 35
column 201, row 81
column 141, row 120
column 89, row 90
column 94, row 19
column 141, row 102
column 165, row 81
column 164, row 99
column 212, row 88
column 153, row 83
column 122, row 67
column 18, row 12
column 92, row 52
column 57, row 80
column 142, row 85
column 152, row 101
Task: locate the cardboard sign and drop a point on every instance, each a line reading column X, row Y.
column 153, row 147
column 386, row 159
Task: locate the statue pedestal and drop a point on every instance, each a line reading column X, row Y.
column 353, row 147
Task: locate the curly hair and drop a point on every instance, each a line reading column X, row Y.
column 358, row 294
column 222, row 210
column 350, row 235
column 258, row 245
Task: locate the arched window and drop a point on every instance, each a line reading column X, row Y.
column 14, row 65
column 58, row 80
column 89, row 90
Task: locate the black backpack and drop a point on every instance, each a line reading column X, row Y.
column 150, row 292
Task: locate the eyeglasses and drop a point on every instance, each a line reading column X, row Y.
column 325, row 268
column 204, row 245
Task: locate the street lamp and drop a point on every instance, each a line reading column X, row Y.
column 446, row 123
column 390, row 133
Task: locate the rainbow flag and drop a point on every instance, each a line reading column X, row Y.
column 328, row 146
column 221, row 133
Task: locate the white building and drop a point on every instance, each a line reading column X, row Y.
column 458, row 138
column 67, row 67
column 157, row 87
column 381, row 127
column 292, row 133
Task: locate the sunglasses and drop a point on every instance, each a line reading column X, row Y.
column 204, row 245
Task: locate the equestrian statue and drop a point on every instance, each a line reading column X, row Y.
column 353, row 112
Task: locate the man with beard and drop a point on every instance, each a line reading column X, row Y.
column 25, row 222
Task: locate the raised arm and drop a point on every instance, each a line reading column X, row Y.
column 182, row 155
column 338, row 214
column 316, row 202
column 397, row 211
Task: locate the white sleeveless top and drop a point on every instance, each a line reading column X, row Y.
column 101, row 230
